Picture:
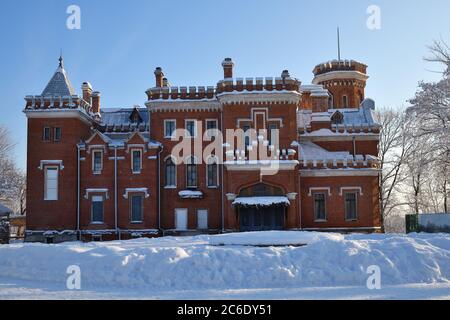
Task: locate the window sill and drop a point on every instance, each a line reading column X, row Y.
column 136, row 222
column 320, row 221
column 170, row 187
column 96, row 173
column 50, row 199
column 97, row 223
column 351, row 220
column 213, row 187
column 137, row 172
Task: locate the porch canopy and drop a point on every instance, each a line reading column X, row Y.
column 261, row 202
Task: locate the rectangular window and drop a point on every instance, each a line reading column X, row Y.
column 191, row 176
column 191, row 128
column 319, row 207
column 46, row 134
column 202, row 219
column 273, row 134
column 181, row 219
column 211, row 127
column 212, row 175
column 97, row 161
column 137, row 205
column 97, row 209
column 136, row 161
column 345, row 101
column 350, row 206
column 170, row 173
column 246, row 129
column 169, row 128
column 57, row 134
column 51, row 184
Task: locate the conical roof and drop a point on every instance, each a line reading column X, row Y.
column 59, row 85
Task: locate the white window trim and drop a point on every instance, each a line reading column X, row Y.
column 176, row 173
column 187, row 134
column 140, row 159
column 136, row 190
column 175, row 128
column 217, row 169
column 53, row 163
column 96, row 190
column 342, row 189
column 93, row 161
column 313, row 189
column 45, row 183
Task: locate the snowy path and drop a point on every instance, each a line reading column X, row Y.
column 233, row 266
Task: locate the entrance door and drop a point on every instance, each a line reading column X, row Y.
column 261, row 219
column 181, row 219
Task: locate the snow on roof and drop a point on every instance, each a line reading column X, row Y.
column 121, row 116
column 59, row 85
column 5, row 210
column 351, row 117
column 261, row 201
column 189, row 194
column 311, row 151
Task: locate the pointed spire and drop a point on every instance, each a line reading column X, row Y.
column 61, row 60
column 59, row 85
column 339, row 43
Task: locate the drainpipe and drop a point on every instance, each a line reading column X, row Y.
column 299, row 202
column 116, row 220
column 221, row 179
column 78, row 193
column 354, row 145
column 159, row 189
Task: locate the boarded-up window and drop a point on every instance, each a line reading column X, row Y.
column 137, row 208
column 51, row 184
column 319, row 207
column 97, row 209
column 350, row 206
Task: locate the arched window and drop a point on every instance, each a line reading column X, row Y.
column 191, row 172
column 331, row 102
column 170, row 173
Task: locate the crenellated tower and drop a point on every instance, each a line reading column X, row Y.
column 345, row 81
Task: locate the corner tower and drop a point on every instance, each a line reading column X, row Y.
column 345, row 80
column 58, row 120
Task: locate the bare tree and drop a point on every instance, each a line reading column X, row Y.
column 440, row 53
column 394, row 148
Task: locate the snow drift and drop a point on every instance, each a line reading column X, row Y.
column 200, row 263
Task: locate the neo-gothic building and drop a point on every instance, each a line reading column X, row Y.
column 96, row 173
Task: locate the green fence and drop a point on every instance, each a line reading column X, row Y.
column 412, row 223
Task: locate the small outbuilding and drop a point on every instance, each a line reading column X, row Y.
column 4, row 223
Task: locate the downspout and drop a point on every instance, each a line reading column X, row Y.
column 221, row 178
column 354, row 146
column 116, row 219
column 299, row 202
column 159, row 189
column 78, row 193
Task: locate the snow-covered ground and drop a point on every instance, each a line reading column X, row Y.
column 300, row 265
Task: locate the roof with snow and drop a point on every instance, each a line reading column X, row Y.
column 261, row 201
column 5, row 210
column 59, row 85
column 114, row 119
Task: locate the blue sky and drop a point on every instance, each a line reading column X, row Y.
column 121, row 42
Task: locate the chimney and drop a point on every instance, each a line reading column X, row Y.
column 227, row 65
column 96, row 102
column 285, row 74
column 87, row 91
column 159, row 75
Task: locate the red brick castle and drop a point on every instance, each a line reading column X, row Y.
column 99, row 174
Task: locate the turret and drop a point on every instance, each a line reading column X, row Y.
column 345, row 81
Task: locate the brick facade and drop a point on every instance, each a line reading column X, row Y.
column 324, row 147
